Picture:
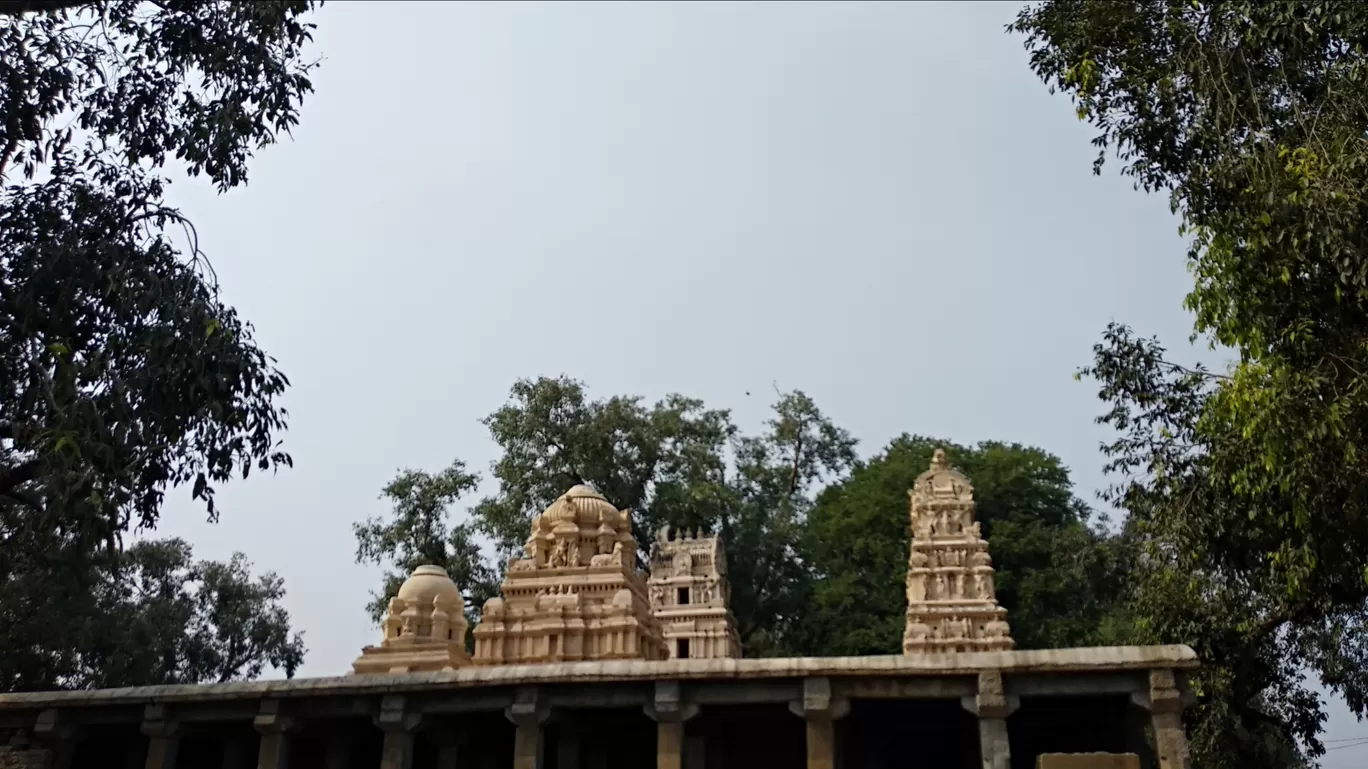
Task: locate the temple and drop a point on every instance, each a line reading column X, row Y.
column 425, row 628
column 951, row 603
column 576, row 593
column 573, row 670
column 690, row 596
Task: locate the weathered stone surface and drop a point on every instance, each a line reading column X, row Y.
column 690, row 596
column 1088, row 761
column 951, row 601
column 32, row 758
column 1084, row 660
column 425, row 628
column 575, row 595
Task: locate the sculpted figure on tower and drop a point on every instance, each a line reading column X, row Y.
column 951, row 603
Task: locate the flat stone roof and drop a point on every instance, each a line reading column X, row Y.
column 1101, row 659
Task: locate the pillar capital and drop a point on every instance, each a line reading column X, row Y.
column 668, row 705
column 271, row 719
column 159, row 723
column 529, row 708
column 819, row 702
column 395, row 716
column 992, row 700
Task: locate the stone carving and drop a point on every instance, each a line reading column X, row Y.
column 575, row 594
column 951, row 601
column 424, row 627
column 694, row 566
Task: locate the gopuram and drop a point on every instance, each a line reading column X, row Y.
column 951, row 603
column 570, row 671
column 690, row 596
column 425, row 628
column 576, row 593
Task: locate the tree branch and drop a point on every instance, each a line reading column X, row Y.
column 21, row 7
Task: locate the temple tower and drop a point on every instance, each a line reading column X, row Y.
column 951, row 603
column 575, row 594
column 425, row 628
column 690, row 596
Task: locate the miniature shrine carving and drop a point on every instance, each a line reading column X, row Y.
column 690, row 597
column 424, row 626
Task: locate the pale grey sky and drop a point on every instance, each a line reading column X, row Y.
column 877, row 203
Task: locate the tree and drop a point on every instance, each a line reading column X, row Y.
column 162, row 618
column 1055, row 574
column 1248, row 485
column 121, row 372
column 418, row 533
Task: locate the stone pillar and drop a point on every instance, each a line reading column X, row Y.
column 163, row 737
column 528, row 713
column 399, row 725
column 670, row 712
column 992, row 706
column 54, row 732
column 1165, row 701
column 273, row 752
column 820, row 711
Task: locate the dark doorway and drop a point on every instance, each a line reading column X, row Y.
column 750, row 736
column 1097, row 724
column 877, row 733
column 611, row 738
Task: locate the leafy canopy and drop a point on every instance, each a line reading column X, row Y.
column 1246, row 488
column 122, row 373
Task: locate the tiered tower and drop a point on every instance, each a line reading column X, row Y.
column 425, row 628
column 951, row 604
column 690, row 596
column 575, row 595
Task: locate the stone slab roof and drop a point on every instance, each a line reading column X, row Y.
column 1086, row 660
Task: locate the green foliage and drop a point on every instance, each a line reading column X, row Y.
column 121, row 371
column 1054, row 573
column 1246, row 487
column 418, row 533
column 159, row 617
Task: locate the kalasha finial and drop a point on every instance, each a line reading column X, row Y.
column 938, row 460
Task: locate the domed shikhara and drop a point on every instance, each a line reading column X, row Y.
column 425, row 627
column 428, row 584
column 575, row 594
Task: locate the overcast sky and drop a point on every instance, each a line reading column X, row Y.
column 876, row 203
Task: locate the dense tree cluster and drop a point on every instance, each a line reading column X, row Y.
column 1245, row 488
column 122, row 374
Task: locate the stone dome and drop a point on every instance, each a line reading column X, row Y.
column 428, row 582
column 585, row 508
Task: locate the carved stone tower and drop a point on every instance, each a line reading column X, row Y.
column 425, row 628
column 575, row 595
column 951, row 603
column 690, row 596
